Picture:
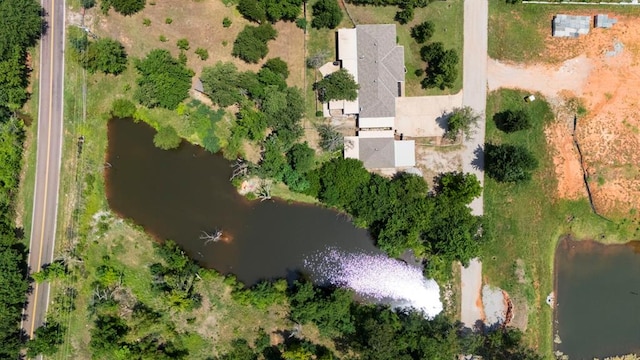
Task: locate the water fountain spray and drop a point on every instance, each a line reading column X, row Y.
column 379, row 278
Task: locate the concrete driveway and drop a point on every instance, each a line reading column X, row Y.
column 422, row 116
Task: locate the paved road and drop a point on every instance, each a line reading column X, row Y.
column 49, row 146
column 474, row 85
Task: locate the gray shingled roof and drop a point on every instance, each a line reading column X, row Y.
column 380, row 68
column 377, row 153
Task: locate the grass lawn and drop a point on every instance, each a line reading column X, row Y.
column 518, row 32
column 526, row 220
column 447, row 17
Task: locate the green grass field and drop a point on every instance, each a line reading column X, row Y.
column 526, row 220
column 447, row 17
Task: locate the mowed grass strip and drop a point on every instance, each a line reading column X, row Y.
column 526, row 220
column 447, row 17
column 520, row 32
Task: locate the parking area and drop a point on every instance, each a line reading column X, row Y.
column 422, row 116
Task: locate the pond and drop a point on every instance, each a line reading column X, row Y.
column 598, row 299
column 179, row 194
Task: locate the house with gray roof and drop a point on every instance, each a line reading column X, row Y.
column 371, row 54
column 571, row 25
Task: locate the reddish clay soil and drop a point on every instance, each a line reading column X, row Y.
column 609, row 134
column 606, row 84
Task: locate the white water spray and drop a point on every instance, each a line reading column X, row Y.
column 379, row 277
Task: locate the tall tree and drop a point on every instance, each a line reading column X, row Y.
column 442, row 65
column 339, row 85
column 462, row 120
column 221, row 83
column 326, row 14
column 21, row 24
column 509, row 163
column 48, row 338
column 163, row 81
column 105, row 55
column 13, row 80
column 340, row 179
column 251, row 43
column 423, row 31
column 127, row 7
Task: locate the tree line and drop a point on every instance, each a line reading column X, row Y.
column 21, row 25
column 359, row 330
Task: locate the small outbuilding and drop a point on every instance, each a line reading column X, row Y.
column 571, row 25
column 604, row 21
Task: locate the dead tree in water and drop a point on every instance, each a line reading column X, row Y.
column 240, row 168
column 264, row 191
column 211, row 237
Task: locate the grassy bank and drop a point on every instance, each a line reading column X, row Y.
column 518, row 32
column 447, row 16
column 527, row 219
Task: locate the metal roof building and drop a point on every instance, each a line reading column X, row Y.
column 604, row 21
column 571, row 25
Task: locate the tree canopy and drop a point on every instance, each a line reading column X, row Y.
column 105, row 55
column 461, row 120
column 442, row 70
column 21, row 24
column 339, row 85
column 512, row 120
column 509, row 163
column 326, row 14
column 127, row 7
column 423, row 31
column 251, row 43
column 164, row 81
column 272, row 10
column 167, row 138
column 221, row 83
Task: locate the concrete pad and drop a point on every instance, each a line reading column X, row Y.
column 417, row 116
column 328, row 68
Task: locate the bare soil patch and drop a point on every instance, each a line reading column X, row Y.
column 201, row 24
column 602, row 72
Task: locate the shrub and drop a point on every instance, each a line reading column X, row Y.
column 203, row 54
column 301, row 23
column 183, row 44
column 122, row 108
column 404, row 16
column 168, row 20
column 167, row 138
column 226, row 22
column 146, row 22
column 87, row 4
column 512, row 120
column 162, row 38
column 127, row 7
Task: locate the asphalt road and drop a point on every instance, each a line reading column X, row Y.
column 49, row 148
column 474, row 85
